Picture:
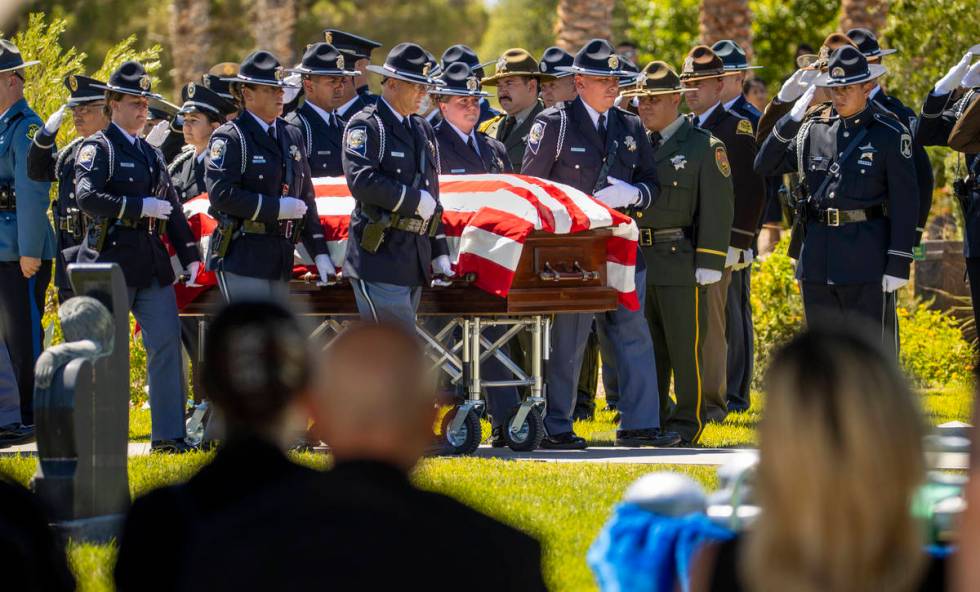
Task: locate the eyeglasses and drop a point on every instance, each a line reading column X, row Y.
column 87, row 108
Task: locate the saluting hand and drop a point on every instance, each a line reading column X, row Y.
column 951, row 80
column 799, row 109
column 53, row 123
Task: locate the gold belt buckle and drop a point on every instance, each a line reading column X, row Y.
column 646, row 237
column 833, row 217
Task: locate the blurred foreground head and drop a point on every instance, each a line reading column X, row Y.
column 256, row 368
column 840, row 460
column 375, row 399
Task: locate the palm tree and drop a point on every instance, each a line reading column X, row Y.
column 273, row 24
column 726, row 19
column 869, row 14
column 582, row 20
column 190, row 38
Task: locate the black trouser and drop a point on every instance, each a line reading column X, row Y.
column 740, row 336
column 973, row 272
column 852, row 305
column 21, row 309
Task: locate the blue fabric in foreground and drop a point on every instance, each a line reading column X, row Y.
column 640, row 551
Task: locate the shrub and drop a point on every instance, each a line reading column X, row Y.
column 777, row 307
column 933, row 352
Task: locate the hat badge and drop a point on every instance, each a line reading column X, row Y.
column 837, row 72
column 340, row 62
column 328, row 36
column 614, row 62
column 228, row 70
column 425, row 69
column 502, row 64
column 471, row 83
column 72, row 83
column 689, row 64
column 279, row 73
column 145, row 82
column 191, row 89
column 543, row 66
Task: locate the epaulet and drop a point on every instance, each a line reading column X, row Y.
column 185, row 154
column 483, row 127
column 703, row 131
column 64, row 152
column 743, row 125
column 100, row 138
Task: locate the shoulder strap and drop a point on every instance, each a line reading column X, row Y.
column 835, row 166
column 63, row 154
column 242, row 143
column 309, row 132
column 562, row 127
column 381, row 135
column 181, row 159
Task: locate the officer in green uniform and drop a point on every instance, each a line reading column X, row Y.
column 684, row 235
column 518, row 80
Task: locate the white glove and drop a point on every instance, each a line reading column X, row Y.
column 295, row 84
column 427, row 205
column 156, row 208
column 441, row 265
column 705, row 277
column 802, row 104
column 158, row 134
column 192, row 270
column 951, row 80
column 796, row 84
column 291, row 208
column 53, row 123
column 618, row 194
column 747, row 258
column 326, row 270
column 972, row 78
column 890, row 283
column 734, row 256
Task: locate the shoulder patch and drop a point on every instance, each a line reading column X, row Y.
column 32, row 131
column 86, row 156
column 216, row 153
column 535, row 135
column 906, row 145
column 744, row 127
column 356, row 140
column 721, row 159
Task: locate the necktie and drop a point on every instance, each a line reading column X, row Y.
column 695, row 120
column 272, row 133
column 472, row 145
column 655, row 140
column 507, row 127
column 334, row 119
column 601, row 127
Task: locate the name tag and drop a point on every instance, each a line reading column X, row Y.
column 327, row 152
column 865, row 163
column 127, row 165
column 398, row 154
column 258, row 160
column 577, row 149
column 457, row 171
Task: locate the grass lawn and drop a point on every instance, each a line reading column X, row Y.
column 563, row 505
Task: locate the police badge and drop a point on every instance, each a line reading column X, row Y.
column 678, row 161
column 340, row 62
column 472, row 84
column 72, row 83
column 837, row 72
column 613, row 62
column 425, row 69
column 906, row 146
column 190, row 90
column 279, row 74
column 328, row 36
column 630, row 143
column 145, row 82
column 294, row 152
column 501, row 65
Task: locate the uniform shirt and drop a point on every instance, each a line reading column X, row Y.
column 516, row 139
column 26, row 231
column 941, row 114
column 323, row 137
column 696, row 194
column 246, row 172
column 46, row 163
column 564, row 145
column 879, row 171
column 113, row 173
column 387, row 165
column 750, row 188
column 457, row 158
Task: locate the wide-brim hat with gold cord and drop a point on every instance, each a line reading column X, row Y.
column 847, row 65
column 701, row 63
column 656, row 78
column 818, row 61
column 597, row 58
column 516, row 62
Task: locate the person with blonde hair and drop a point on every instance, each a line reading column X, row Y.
column 840, row 460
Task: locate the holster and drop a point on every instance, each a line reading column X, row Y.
column 374, row 231
column 220, row 241
column 798, row 203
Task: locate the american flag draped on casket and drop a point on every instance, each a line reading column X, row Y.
column 486, row 219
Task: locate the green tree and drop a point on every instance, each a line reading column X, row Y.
column 780, row 26
column 662, row 29
column 519, row 23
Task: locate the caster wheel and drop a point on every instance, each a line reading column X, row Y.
column 466, row 439
column 529, row 436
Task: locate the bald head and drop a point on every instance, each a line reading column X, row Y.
column 375, row 399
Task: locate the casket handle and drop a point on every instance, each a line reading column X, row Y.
column 579, row 274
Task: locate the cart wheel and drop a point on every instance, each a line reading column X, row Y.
column 465, row 440
column 529, row 437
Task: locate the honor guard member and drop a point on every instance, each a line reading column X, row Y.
column 684, row 238
column 122, row 184
column 518, row 80
column 862, row 202
column 217, row 80
column 465, row 54
column 46, row 163
column 867, row 43
column 465, row 151
column 27, row 246
column 261, row 191
column 391, row 162
column 955, row 122
column 738, row 310
column 561, row 88
column 359, row 48
column 323, row 76
column 702, row 74
column 203, row 111
column 603, row 151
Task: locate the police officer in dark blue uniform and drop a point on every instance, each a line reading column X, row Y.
column 359, row 48
column 217, row 80
column 27, row 246
column 560, row 89
column 203, row 110
column 603, row 151
column 122, row 184
column 46, row 163
column 862, row 203
column 323, row 75
column 391, row 162
column 466, row 55
column 261, row 190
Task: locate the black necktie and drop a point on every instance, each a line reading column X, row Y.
column 655, row 140
column 472, row 145
column 272, row 133
column 695, row 120
column 507, row 127
column 601, row 127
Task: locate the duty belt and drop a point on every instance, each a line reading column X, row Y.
column 834, row 217
column 73, row 222
column 650, row 236
column 416, row 225
column 8, row 199
column 150, row 226
column 283, row 228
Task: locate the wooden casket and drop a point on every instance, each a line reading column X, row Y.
column 556, row 273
